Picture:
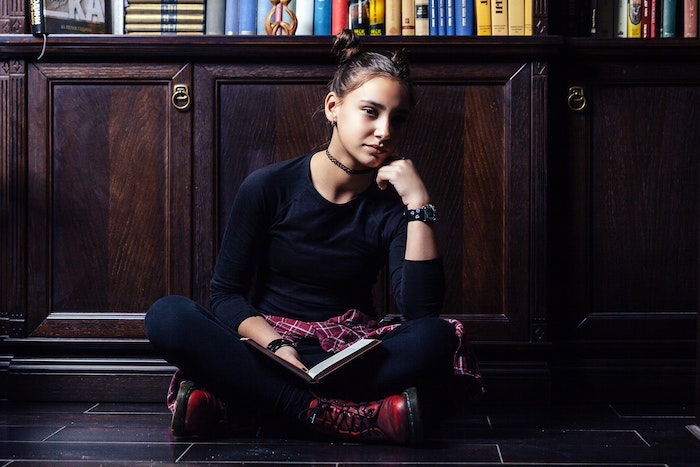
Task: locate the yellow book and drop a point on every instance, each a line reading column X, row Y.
column 376, row 17
column 528, row 17
column 634, row 18
column 499, row 18
column 164, row 19
column 129, row 28
column 408, row 17
column 516, row 17
column 154, row 8
column 392, row 11
column 150, row 33
column 483, row 17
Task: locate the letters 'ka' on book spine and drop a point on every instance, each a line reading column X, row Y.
column 483, row 17
column 634, row 19
column 422, row 18
column 499, row 18
column 339, row 20
column 516, row 17
column 690, row 18
column 376, row 18
column 392, row 22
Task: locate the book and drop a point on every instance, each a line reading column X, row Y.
column 646, row 19
column 323, row 13
column 231, row 22
column 159, row 8
column 117, row 10
column 634, row 19
column 690, row 18
column 325, row 367
column 464, row 17
column 358, row 17
column 483, row 17
column 621, row 9
column 516, row 17
column 499, row 18
column 339, row 16
column 408, row 18
column 422, row 18
column 216, row 14
column 449, row 17
column 376, row 18
column 528, row 17
column 165, row 18
column 668, row 18
column 392, row 21
column 63, row 17
column 157, row 27
column 604, row 18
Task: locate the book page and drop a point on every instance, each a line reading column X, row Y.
column 340, row 357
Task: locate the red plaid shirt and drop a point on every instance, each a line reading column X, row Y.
column 339, row 332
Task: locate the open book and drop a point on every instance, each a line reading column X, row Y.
column 325, row 367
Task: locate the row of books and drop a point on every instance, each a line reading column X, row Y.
column 323, row 17
column 313, row 17
column 643, row 18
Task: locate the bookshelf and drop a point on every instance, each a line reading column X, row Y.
column 539, row 224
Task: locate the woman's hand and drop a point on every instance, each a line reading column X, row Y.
column 402, row 174
column 291, row 355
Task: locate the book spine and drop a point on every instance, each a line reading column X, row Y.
column 164, row 19
column 339, row 15
column 483, row 17
column 433, row 7
column 653, row 23
column 668, row 18
column 141, row 27
column 36, row 16
column 117, row 10
column 594, row 18
column 464, row 17
column 441, row 18
column 323, row 14
column 358, row 13
column 690, row 18
column 634, row 19
column 499, row 18
column 231, row 23
column 216, row 11
column 422, row 18
column 165, row 2
column 247, row 17
column 605, row 18
column 171, row 8
column 408, row 17
column 376, row 17
column 516, row 17
column 305, row 16
column 449, row 17
column 646, row 20
column 180, row 33
column 528, row 18
column 621, row 18
column 392, row 9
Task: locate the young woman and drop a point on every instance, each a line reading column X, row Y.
column 317, row 229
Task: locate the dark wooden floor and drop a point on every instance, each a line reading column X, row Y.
column 127, row 434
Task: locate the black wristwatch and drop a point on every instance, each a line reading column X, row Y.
column 424, row 213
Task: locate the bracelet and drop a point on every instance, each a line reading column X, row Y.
column 277, row 343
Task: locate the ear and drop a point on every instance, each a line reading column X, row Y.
column 331, row 105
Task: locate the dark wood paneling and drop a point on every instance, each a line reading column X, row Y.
column 13, row 160
column 109, row 196
column 12, row 16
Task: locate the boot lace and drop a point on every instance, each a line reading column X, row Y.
column 343, row 418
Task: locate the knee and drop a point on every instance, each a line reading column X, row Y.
column 166, row 318
column 436, row 332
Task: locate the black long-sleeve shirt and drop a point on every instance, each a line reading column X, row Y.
column 316, row 259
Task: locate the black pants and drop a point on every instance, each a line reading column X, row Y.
column 417, row 353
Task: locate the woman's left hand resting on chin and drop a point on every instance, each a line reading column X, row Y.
column 402, row 174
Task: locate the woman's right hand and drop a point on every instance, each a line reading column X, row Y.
column 291, row 355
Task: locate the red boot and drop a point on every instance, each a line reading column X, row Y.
column 395, row 419
column 198, row 413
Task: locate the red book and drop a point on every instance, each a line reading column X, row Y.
column 653, row 18
column 646, row 19
column 339, row 16
column 690, row 18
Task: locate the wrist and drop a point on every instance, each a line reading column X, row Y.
column 417, row 204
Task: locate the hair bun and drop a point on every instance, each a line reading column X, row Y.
column 347, row 45
column 400, row 59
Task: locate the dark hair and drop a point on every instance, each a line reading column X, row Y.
column 357, row 66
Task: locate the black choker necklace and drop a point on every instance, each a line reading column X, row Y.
column 347, row 169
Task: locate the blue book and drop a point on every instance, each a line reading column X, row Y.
column 231, row 23
column 450, row 18
column 433, row 17
column 264, row 7
column 248, row 17
column 464, row 18
column 322, row 17
column 441, row 18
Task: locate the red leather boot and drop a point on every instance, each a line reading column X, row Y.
column 198, row 413
column 394, row 419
